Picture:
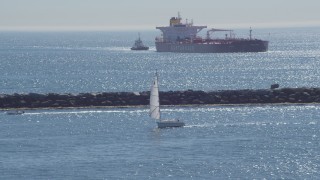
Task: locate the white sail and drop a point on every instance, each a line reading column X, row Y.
column 155, row 108
column 154, row 100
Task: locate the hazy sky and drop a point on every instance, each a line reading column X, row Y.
column 146, row 14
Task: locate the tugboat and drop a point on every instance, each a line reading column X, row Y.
column 138, row 45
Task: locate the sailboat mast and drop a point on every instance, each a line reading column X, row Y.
column 157, row 78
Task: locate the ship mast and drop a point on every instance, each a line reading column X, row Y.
column 179, row 17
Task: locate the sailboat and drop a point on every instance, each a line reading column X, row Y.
column 155, row 108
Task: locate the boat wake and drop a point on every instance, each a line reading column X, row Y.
column 127, row 49
column 84, row 112
column 200, row 125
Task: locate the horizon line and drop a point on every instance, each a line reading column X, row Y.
column 153, row 27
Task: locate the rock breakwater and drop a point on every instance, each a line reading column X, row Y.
column 189, row 97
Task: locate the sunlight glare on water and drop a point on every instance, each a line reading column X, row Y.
column 218, row 142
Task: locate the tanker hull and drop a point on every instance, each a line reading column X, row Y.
column 236, row 46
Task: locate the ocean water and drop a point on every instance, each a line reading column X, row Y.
column 218, row 142
column 102, row 61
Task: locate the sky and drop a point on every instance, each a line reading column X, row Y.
column 56, row 15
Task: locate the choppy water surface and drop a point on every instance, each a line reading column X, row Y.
column 218, row 142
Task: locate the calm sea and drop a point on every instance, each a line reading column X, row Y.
column 218, row 142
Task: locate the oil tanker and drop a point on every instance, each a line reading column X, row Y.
column 182, row 37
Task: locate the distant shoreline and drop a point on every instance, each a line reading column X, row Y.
column 141, row 29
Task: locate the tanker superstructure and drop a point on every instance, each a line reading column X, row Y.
column 183, row 38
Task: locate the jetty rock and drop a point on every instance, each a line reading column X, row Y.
column 188, row 97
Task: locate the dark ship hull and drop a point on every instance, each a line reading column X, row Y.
column 224, row 46
column 140, row 48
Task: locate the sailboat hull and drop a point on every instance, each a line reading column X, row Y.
column 170, row 123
